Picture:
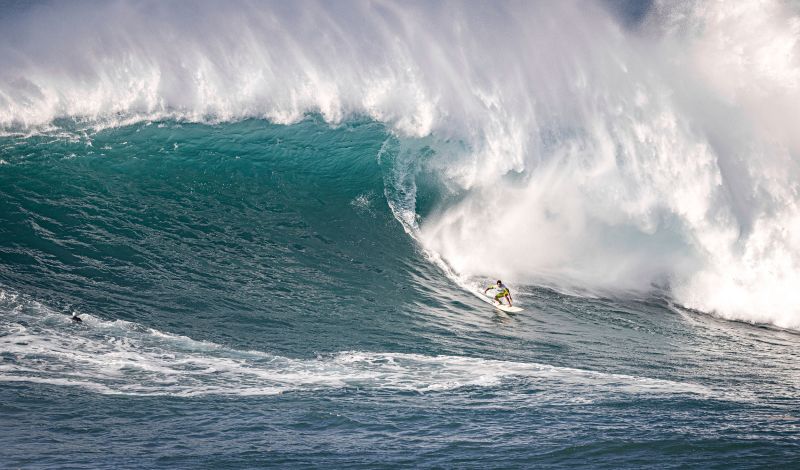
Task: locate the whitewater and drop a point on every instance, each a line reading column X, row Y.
column 272, row 218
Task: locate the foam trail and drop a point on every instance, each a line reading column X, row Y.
column 575, row 149
column 118, row 357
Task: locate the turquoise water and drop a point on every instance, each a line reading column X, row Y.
column 251, row 297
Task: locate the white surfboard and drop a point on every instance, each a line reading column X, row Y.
column 490, row 300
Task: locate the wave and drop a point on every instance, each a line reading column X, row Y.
column 567, row 145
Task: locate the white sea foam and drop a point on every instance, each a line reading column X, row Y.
column 606, row 156
column 119, row 357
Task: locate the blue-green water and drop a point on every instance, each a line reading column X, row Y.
column 251, row 299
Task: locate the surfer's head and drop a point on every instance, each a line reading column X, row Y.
column 499, row 282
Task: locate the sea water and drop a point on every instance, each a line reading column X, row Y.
column 273, row 224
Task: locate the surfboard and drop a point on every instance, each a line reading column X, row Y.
column 506, row 308
column 490, row 300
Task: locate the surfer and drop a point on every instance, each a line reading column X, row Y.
column 502, row 291
column 76, row 318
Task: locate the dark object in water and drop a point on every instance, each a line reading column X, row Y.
column 76, row 318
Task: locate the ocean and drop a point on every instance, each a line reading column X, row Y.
column 273, row 220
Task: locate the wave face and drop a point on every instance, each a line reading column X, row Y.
column 572, row 147
column 184, row 225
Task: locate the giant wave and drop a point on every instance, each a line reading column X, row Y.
column 570, row 147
